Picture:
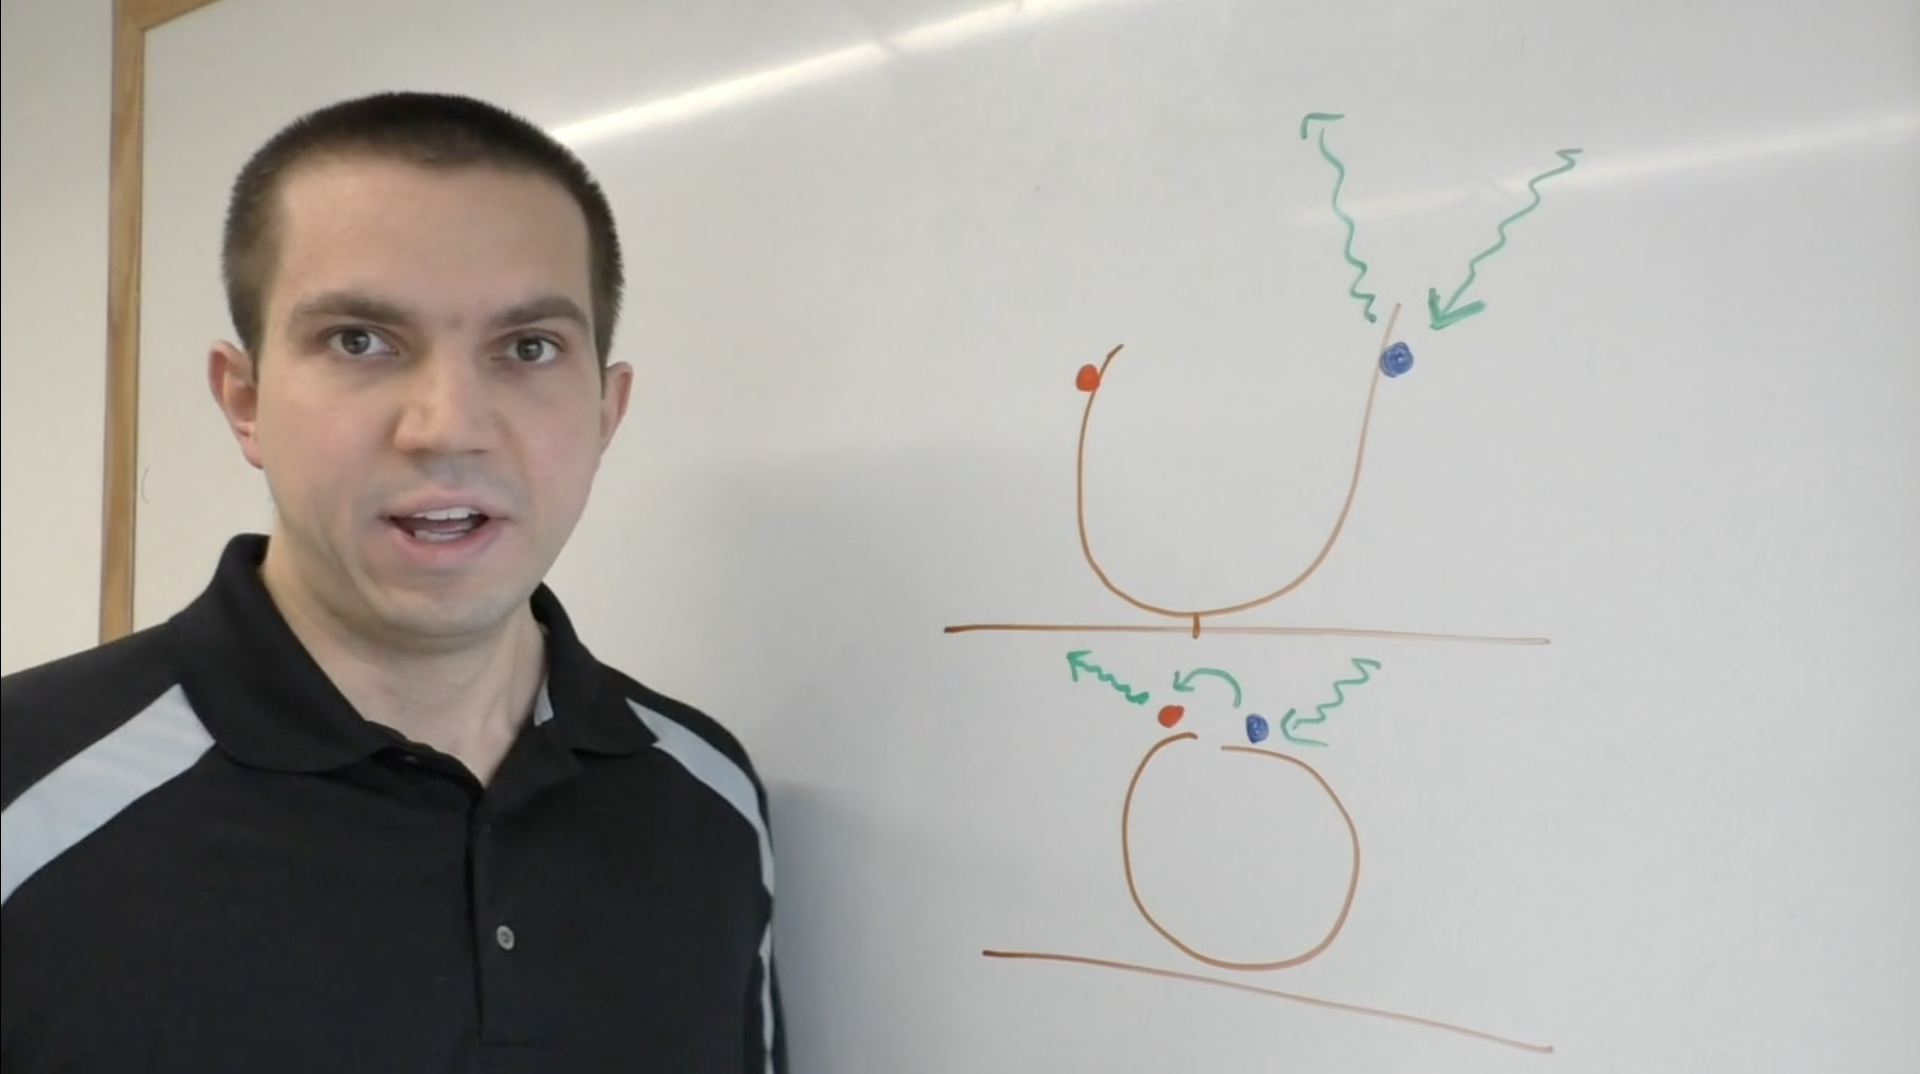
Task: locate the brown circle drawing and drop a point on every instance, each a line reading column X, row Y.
column 1133, row 889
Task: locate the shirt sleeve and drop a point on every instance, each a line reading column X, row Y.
column 766, row 1045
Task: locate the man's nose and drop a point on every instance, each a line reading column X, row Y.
column 446, row 408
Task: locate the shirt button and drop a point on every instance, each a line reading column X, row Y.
column 504, row 937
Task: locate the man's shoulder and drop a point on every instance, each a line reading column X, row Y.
column 52, row 711
column 694, row 719
column 681, row 718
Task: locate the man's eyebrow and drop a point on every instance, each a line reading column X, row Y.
column 543, row 308
column 359, row 306
column 353, row 305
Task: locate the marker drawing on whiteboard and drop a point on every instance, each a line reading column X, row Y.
column 1195, row 616
column 1304, row 904
column 1391, row 359
column 1183, row 683
column 1396, row 359
column 1238, row 631
column 1318, row 932
column 1453, row 313
column 1321, row 935
column 1077, row 662
column 1274, row 993
column 1092, row 381
column 1291, row 721
column 1366, row 298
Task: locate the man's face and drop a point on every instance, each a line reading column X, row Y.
column 428, row 408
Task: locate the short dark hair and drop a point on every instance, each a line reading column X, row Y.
column 432, row 130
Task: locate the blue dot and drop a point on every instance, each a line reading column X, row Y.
column 1396, row 359
column 1256, row 728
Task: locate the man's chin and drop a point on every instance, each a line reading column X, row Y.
column 444, row 609
column 446, row 623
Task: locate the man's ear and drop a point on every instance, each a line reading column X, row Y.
column 236, row 389
column 616, row 385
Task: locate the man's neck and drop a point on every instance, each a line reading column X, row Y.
column 469, row 702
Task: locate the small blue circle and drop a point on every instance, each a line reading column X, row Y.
column 1396, row 359
column 1256, row 728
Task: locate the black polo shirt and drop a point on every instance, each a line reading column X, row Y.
column 213, row 863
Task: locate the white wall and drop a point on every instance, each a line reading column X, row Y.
column 53, row 322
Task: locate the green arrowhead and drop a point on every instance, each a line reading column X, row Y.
column 1077, row 662
column 1184, row 683
column 1441, row 318
column 1307, row 121
column 1286, row 731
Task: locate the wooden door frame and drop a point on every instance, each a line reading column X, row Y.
column 120, row 496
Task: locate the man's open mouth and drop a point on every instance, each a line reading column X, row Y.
column 441, row 526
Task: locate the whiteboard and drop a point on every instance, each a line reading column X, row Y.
column 1585, row 684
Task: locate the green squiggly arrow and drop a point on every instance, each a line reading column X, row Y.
column 1077, row 662
column 1453, row 313
column 1366, row 298
column 1184, row 683
column 1290, row 721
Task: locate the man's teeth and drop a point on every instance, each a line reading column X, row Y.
column 447, row 514
column 441, row 524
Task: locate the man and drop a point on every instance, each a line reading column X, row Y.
column 368, row 804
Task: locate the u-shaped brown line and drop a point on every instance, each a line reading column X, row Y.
column 1197, row 614
column 1133, row 889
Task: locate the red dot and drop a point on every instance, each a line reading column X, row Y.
column 1088, row 379
column 1171, row 714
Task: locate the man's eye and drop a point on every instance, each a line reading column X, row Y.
column 358, row 342
column 532, row 349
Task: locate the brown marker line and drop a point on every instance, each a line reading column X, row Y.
column 1139, row 903
column 1195, row 615
column 1274, row 993
column 1345, row 632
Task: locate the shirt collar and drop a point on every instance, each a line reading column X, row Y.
column 268, row 704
